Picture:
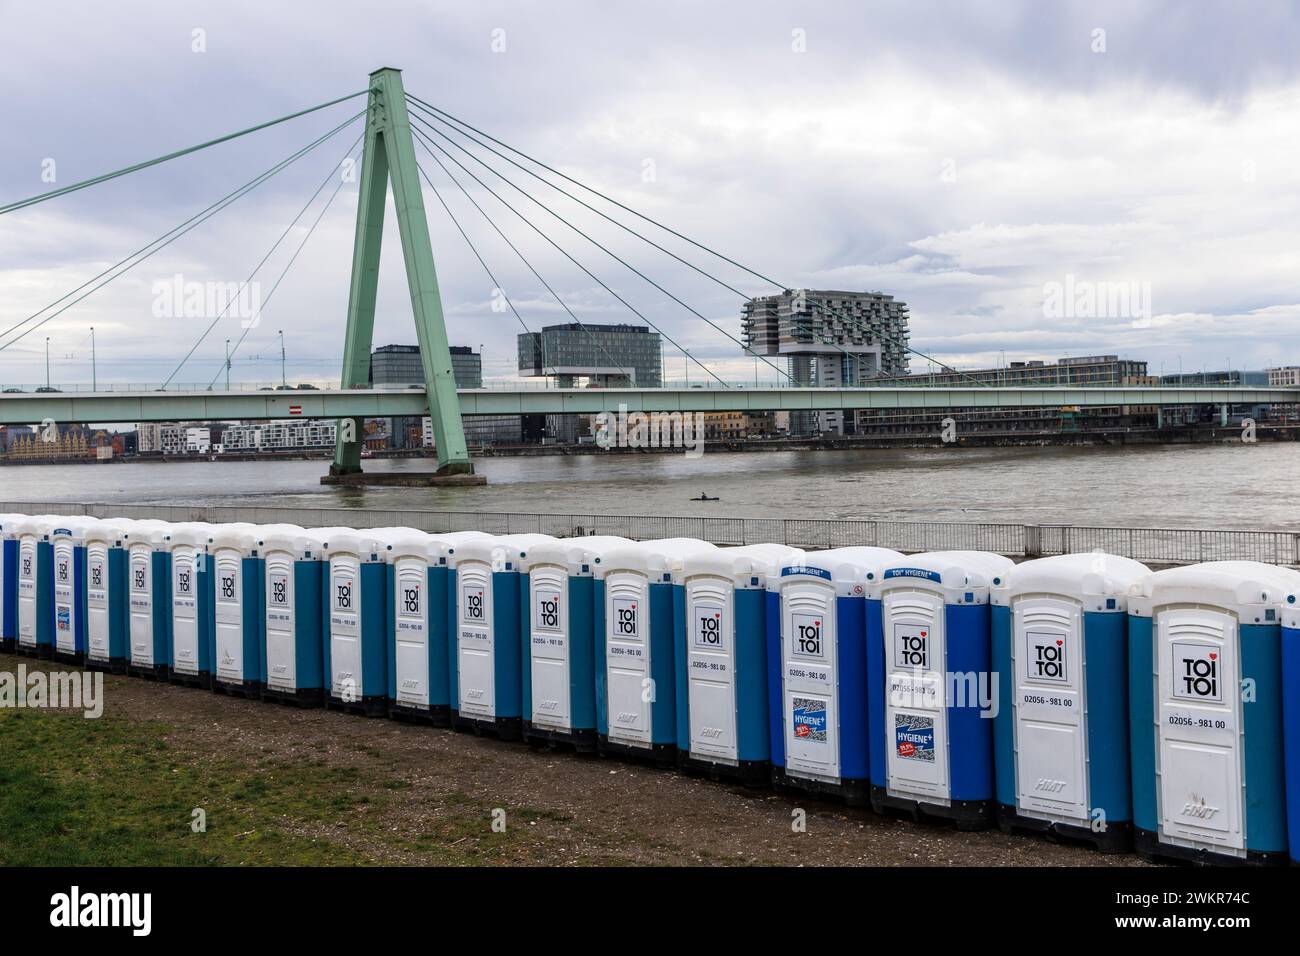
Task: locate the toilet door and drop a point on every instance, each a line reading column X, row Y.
column 549, row 646
column 140, row 591
column 627, row 658
column 411, row 630
column 476, row 678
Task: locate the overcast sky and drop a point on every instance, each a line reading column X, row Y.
column 967, row 157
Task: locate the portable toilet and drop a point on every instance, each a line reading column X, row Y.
column 723, row 725
column 355, row 617
column 637, row 599
column 559, row 666
column 190, row 594
column 817, row 670
column 35, row 596
column 931, row 686
column 1060, row 650
column 68, row 586
column 148, row 599
column 1291, row 721
column 8, row 582
column 1205, row 711
column 489, row 592
column 421, row 620
column 237, row 615
column 107, row 613
column 294, row 565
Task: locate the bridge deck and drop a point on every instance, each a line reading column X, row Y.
column 89, row 407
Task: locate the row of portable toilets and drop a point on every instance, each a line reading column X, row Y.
column 1082, row 694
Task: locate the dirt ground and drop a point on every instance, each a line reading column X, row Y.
column 436, row 791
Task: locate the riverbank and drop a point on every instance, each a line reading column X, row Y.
column 1110, row 438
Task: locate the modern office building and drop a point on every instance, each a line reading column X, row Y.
column 1286, row 376
column 1171, row 415
column 607, row 356
column 1083, row 371
column 291, row 435
column 831, row 339
column 602, row 356
column 399, row 366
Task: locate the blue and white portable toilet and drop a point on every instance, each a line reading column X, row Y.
column 8, row 582
column 68, row 586
column 355, row 617
column 148, row 599
column 190, row 595
column 107, row 612
column 638, row 598
column 35, row 594
column 559, row 667
column 817, row 670
column 1205, row 711
column 294, row 565
column 1291, row 721
column 419, row 621
column 1060, row 650
column 237, row 614
column 723, row 727
column 931, row 689
column 489, row 592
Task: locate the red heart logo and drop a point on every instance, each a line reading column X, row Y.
column 923, row 633
column 1214, row 657
column 1059, row 643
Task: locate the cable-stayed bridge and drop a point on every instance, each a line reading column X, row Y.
column 393, row 123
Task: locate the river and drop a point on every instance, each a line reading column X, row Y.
column 1188, row 486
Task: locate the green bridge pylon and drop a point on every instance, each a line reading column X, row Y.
column 389, row 152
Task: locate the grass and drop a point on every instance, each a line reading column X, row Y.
column 121, row 792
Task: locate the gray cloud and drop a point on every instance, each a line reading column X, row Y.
column 959, row 155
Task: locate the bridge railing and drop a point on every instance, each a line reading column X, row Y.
column 1154, row 545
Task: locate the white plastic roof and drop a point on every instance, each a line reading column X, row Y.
column 653, row 557
column 763, row 560
column 975, row 569
column 845, row 565
column 574, row 552
column 1079, row 575
column 1230, row 583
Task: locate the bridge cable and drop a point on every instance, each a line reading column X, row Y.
column 600, row 246
column 625, row 228
column 32, row 200
column 496, row 284
column 483, row 212
column 427, row 107
column 167, row 238
column 427, row 143
column 285, row 271
column 217, row 318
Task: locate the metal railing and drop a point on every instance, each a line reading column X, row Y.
column 1155, row 545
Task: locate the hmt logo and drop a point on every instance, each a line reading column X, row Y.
column 1046, row 660
column 1196, row 672
column 807, row 634
column 911, row 646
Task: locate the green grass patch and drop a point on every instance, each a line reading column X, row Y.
column 122, row 792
